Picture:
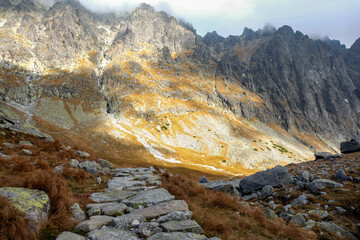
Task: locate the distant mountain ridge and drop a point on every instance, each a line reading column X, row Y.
column 143, row 79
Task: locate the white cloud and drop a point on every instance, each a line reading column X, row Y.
column 333, row 18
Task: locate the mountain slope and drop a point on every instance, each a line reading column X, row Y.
column 141, row 87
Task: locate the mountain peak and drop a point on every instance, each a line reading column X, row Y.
column 144, row 7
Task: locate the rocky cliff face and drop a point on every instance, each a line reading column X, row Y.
column 144, row 87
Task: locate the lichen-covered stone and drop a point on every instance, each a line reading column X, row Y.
column 334, row 228
column 34, row 203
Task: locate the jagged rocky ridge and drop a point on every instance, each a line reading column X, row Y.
column 62, row 51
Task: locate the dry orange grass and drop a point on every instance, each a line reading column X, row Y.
column 224, row 216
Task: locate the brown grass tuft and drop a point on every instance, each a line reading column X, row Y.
column 12, row 223
column 224, row 216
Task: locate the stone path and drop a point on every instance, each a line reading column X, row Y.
column 133, row 207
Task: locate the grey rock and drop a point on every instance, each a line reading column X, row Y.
column 340, row 175
column 177, row 236
column 109, row 209
column 124, row 182
column 320, row 184
column 266, row 191
column 250, row 196
column 162, row 209
column 309, row 224
column 298, row 219
column 111, row 195
column 181, row 226
column 95, row 222
column 149, row 197
column 98, row 180
column 301, row 200
column 285, row 216
column 304, row 176
column 107, row 233
column 276, row 177
column 25, row 143
column 59, row 169
column 203, row 179
column 319, row 213
column 349, row 147
column 78, row 213
column 25, row 152
column 105, row 164
column 90, row 167
column 69, row 236
column 334, row 228
column 340, row 210
column 3, row 155
column 175, row 216
column 126, row 221
column 74, row 163
column 82, row 154
column 270, row 214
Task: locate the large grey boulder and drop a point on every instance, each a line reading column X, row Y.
column 181, row 226
column 334, row 228
column 95, row 222
column 162, row 209
column 177, row 236
column 69, row 236
column 276, row 177
column 350, row 147
column 106, row 233
column 149, row 197
column 35, row 204
column 111, row 195
column 105, row 164
column 320, row 184
column 90, row 167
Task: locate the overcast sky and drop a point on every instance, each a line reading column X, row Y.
column 337, row 19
